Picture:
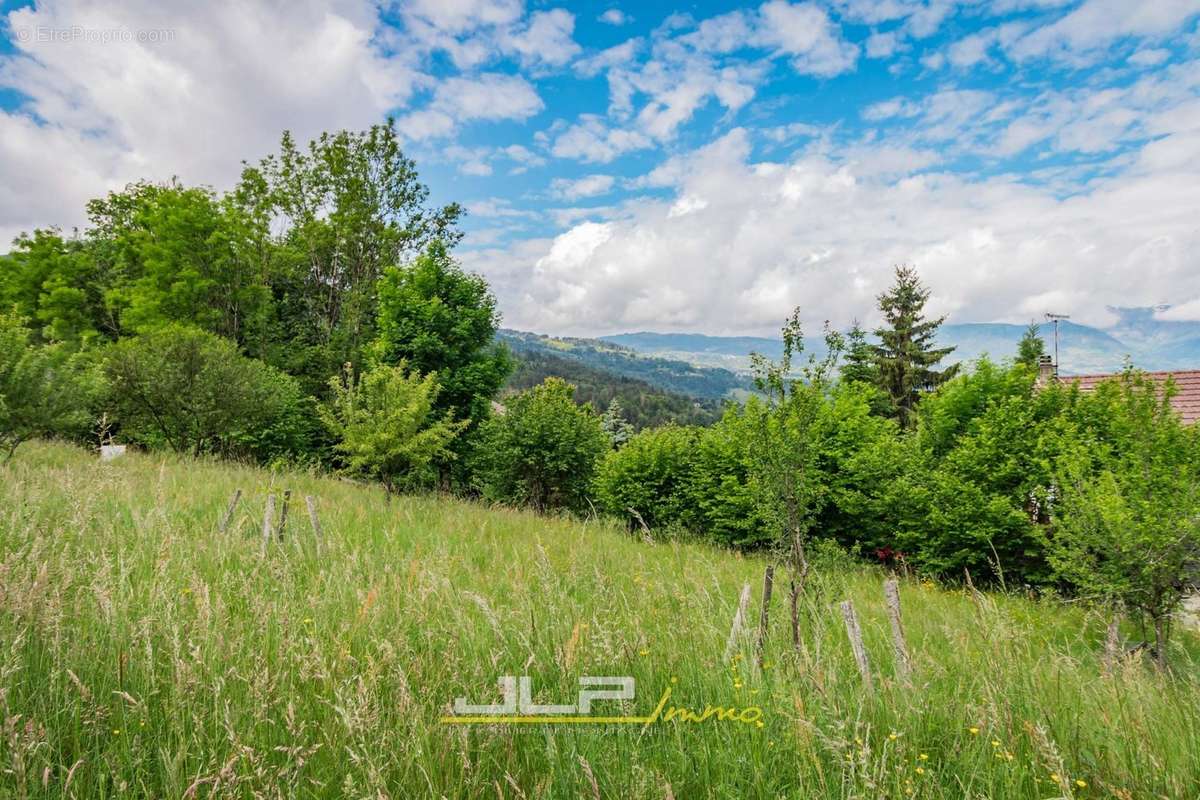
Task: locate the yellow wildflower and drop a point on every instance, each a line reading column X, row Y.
column 974, row 731
column 923, row 757
column 920, row 770
column 1082, row 784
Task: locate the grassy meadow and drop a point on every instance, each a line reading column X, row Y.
column 142, row 653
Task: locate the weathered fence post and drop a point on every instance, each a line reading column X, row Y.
column 768, row 582
column 856, row 643
column 739, row 619
column 891, row 592
column 223, row 525
column 312, row 517
column 287, row 496
column 266, row 528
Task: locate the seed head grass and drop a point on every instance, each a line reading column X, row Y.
column 142, row 653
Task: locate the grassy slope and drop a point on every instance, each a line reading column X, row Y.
column 156, row 656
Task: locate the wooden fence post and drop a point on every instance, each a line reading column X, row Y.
column 312, row 517
column 287, row 496
column 891, row 592
column 739, row 620
column 768, row 582
column 223, row 525
column 856, row 643
column 266, row 528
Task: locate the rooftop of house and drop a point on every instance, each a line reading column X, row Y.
column 1187, row 383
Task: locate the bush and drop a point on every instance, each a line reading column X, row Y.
column 542, row 451
column 386, row 425
column 720, row 488
column 192, row 391
column 1125, row 527
column 43, row 391
column 651, row 474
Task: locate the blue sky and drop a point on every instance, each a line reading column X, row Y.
column 692, row 166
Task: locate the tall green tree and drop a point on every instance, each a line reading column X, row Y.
column 348, row 206
column 54, row 282
column 789, row 425
column 1031, row 347
column 438, row 318
column 42, row 392
column 173, row 254
column 906, row 355
column 860, row 366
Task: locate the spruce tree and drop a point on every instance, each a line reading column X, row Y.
column 1031, row 347
column 905, row 355
column 859, row 365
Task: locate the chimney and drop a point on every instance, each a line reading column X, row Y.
column 1047, row 371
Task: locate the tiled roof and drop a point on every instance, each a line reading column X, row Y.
column 1187, row 384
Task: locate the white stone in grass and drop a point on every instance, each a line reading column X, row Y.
column 108, row 452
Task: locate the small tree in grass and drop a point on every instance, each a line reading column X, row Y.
column 789, row 426
column 386, row 425
column 1127, row 528
column 41, row 390
column 543, row 450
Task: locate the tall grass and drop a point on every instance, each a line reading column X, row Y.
column 142, row 653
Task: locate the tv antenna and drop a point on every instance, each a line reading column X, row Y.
column 1055, row 318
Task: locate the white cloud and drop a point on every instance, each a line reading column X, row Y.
column 458, row 16
column 590, row 140
column 615, row 56
column 497, row 208
column 1097, row 23
column 743, row 241
column 887, row 109
column 587, row 186
column 219, row 88
column 1149, row 57
column 615, row 16
column 805, row 32
column 546, row 40
column 487, row 96
column 883, row 45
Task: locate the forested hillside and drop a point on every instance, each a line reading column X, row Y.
column 711, row 383
column 642, row 405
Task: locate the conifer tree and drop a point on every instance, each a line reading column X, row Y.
column 859, row 365
column 1031, row 346
column 906, row 355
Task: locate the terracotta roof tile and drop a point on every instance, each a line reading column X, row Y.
column 1187, row 382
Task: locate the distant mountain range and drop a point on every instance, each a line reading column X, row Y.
column 1150, row 344
column 710, row 368
column 679, row 376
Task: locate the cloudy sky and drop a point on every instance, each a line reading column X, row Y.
column 700, row 166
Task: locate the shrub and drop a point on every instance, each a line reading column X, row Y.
column 191, row 391
column 720, row 489
column 1125, row 527
column 651, row 474
column 43, row 391
column 542, row 451
column 386, row 425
